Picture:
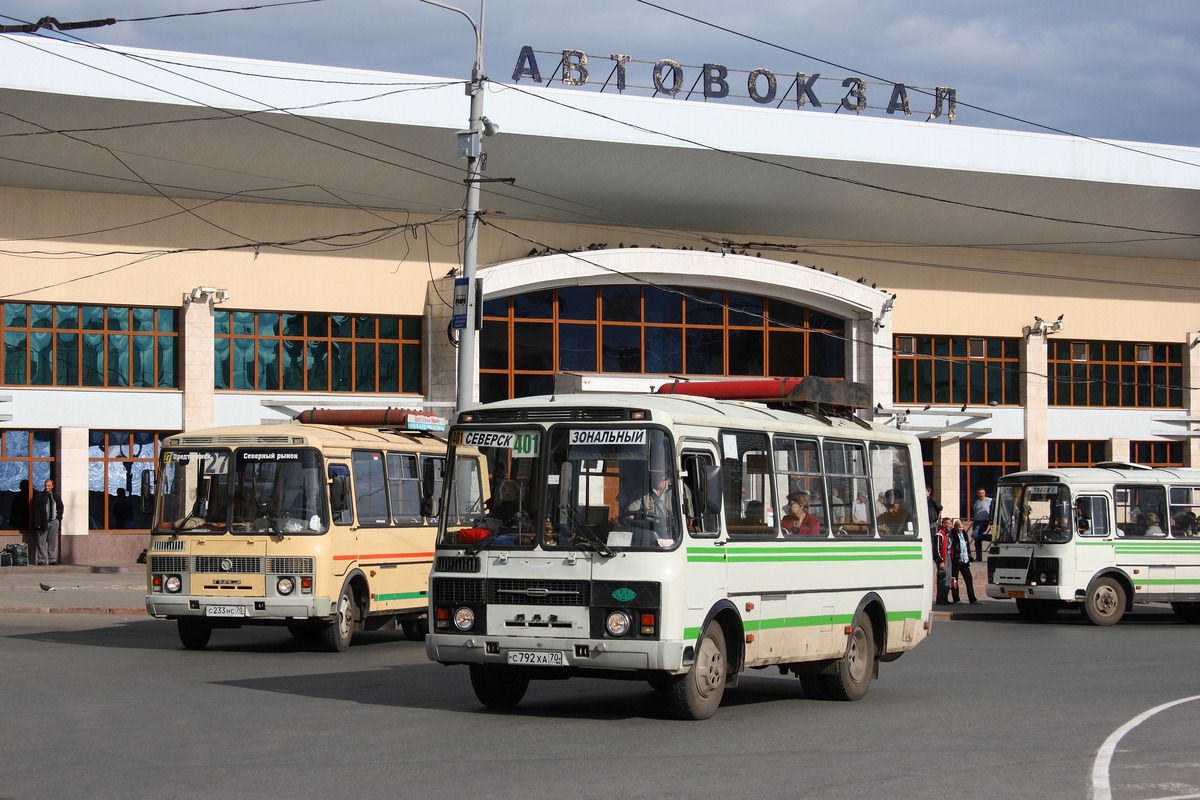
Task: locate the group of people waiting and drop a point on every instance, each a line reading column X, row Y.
column 952, row 555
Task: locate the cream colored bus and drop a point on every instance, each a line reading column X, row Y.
column 325, row 526
column 662, row 538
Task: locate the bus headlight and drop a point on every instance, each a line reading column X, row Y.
column 464, row 618
column 618, row 623
column 285, row 586
column 173, row 584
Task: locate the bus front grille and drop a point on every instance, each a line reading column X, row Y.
column 278, row 565
column 228, row 564
column 538, row 592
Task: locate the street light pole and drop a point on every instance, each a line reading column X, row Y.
column 470, row 144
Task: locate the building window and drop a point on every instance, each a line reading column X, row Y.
column 1157, row 454
column 645, row 329
column 1115, row 374
column 981, row 463
column 953, row 370
column 291, row 352
column 1086, row 453
column 103, row 346
column 26, row 461
column 116, row 462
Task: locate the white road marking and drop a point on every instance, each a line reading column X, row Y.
column 1101, row 788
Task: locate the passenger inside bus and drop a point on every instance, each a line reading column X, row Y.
column 799, row 521
column 895, row 519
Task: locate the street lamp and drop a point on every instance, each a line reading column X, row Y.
column 470, row 144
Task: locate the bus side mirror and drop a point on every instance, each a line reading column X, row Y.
column 564, row 496
column 339, row 494
column 147, row 492
column 428, row 481
column 712, row 489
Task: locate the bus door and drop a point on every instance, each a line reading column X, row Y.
column 1093, row 526
column 705, row 542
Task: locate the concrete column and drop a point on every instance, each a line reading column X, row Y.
column 1118, row 449
column 72, row 481
column 946, row 464
column 1035, row 399
column 1191, row 396
column 198, row 360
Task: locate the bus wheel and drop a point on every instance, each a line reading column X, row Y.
column 697, row 694
column 1187, row 612
column 1105, row 602
column 1037, row 610
column 852, row 677
column 498, row 687
column 415, row 630
column 815, row 686
column 335, row 637
column 194, row 633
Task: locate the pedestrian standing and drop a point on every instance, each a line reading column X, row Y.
column 958, row 562
column 47, row 522
column 981, row 521
column 935, row 509
column 941, row 545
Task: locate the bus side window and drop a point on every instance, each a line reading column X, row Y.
column 746, row 470
column 403, row 489
column 701, row 521
column 370, row 490
column 340, row 502
column 1185, row 505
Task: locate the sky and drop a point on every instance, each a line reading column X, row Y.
column 1107, row 69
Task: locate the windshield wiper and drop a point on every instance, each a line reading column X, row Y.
column 485, row 541
column 582, row 529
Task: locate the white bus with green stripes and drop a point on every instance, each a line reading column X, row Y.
column 1098, row 538
column 658, row 537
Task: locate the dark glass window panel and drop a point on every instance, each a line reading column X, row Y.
column 221, row 323
column 785, row 314
column 664, row 350
column 15, row 315
column 493, row 345
column 577, row 347
column 704, row 307
column 705, row 352
column 826, row 356
column 389, row 367
column 268, row 364
column 166, row 362
column 142, row 361
column 941, row 347
column 268, row 324
column 243, row 364
column 577, row 302
column 67, row 317
column 925, row 381
column 906, row 382
column 496, row 307
column 533, row 346
column 958, row 347
column 66, row 359
column 364, row 367
column 746, row 353
column 745, row 310
column 118, row 360
column 318, row 364
column 243, row 323
column 166, row 320
column 529, row 385
column 786, row 353
column 14, row 357
column 118, row 318
column 534, row 305
column 492, row 387
column 292, row 324
column 364, row 327
column 41, row 359
column 389, row 327
column 662, row 305
column 978, row 384
column 411, row 363
column 41, row 315
column 412, row 328
column 825, row 322
column 622, row 348
column 221, row 364
column 294, row 368
column 995, row 384
column 318, row 325
column 143, row 319
column 341, row 326
column 341, row 366
column 93, row 318
column 621, row 303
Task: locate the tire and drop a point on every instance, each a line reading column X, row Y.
column 335, row 637
column 1038, row 610
column 194, row 633
column 698, row 693
column 815, row 686
column 415, row 630
column 1105, row 602
column 854, row 670
column 1187, row 612
column 498, row 687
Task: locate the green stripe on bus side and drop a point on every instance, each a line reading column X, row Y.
column 1165, row 546
column 820, row 620
column 401, row 596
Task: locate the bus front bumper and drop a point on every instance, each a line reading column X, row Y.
column 1026, row 592
column 231, row 610
column 580, row 654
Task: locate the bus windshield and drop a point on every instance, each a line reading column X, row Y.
column 259, row 490
column 1033, row 513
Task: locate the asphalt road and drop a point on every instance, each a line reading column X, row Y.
column 113, row 707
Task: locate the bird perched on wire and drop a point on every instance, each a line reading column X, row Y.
column 46, row 587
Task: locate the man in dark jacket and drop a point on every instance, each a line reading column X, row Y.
column 47, row 520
